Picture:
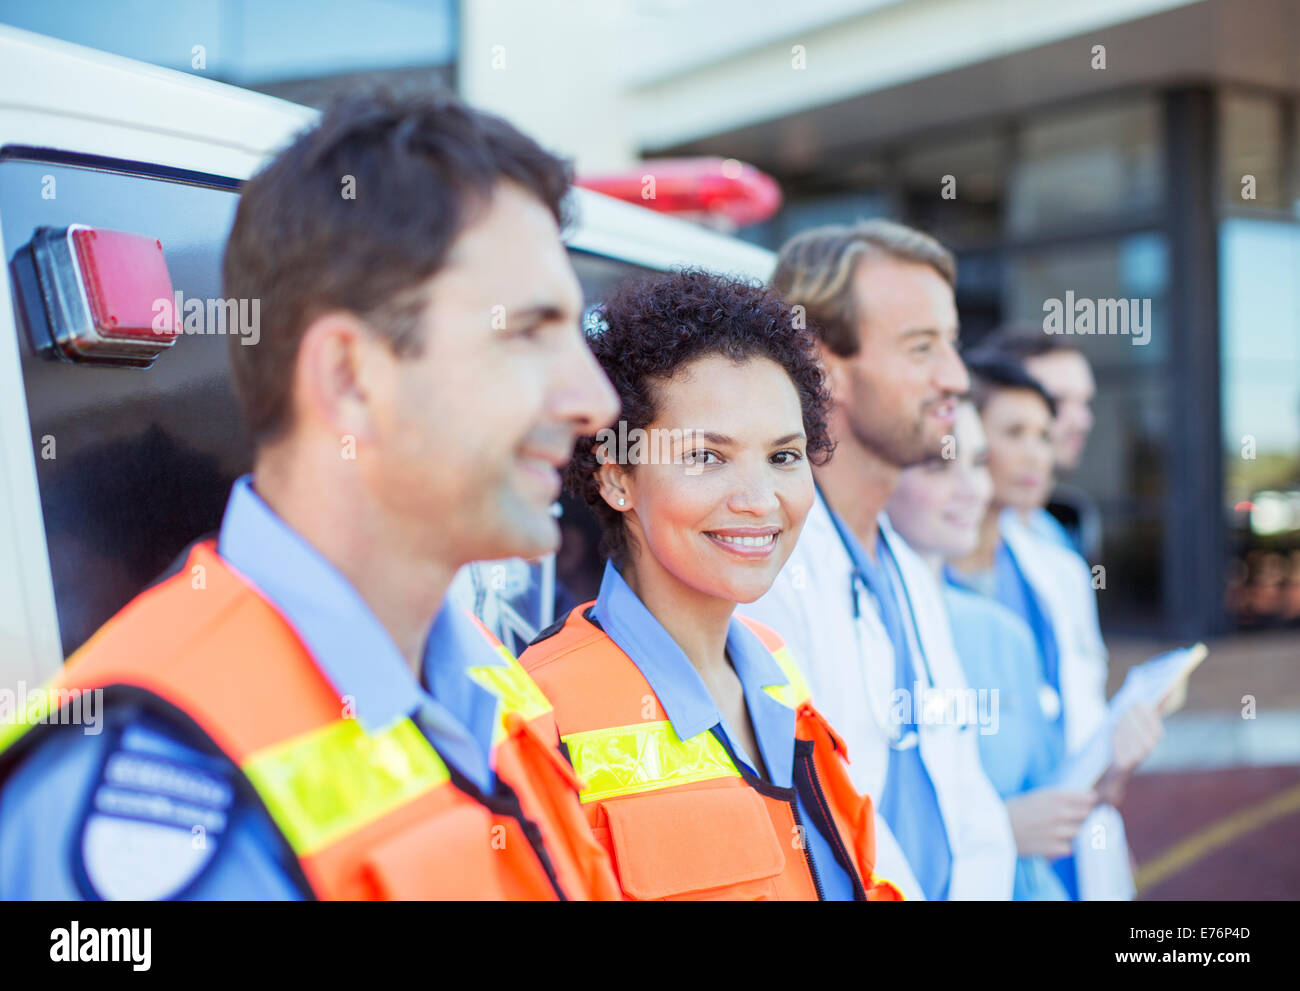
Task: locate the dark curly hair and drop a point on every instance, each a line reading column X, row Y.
column 652, row 326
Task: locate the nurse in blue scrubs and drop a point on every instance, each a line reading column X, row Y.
column 938, row 508
column 1016, row 413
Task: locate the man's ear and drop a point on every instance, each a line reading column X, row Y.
column 612, row 479
column 341, row 368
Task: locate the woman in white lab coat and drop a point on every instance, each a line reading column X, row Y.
column 937, row 508
column 1050, row 588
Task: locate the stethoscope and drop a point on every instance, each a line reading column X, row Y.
column 900, row 738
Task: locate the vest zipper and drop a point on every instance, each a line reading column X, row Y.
column 534, row 834
column 504, row 802
column 807, row 854
column 837, row 843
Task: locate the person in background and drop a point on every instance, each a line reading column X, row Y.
column 707, row 771
column 938, row 508
column 296, row 710
column 1049, row 587
column 1070, row 515
column 857, row 605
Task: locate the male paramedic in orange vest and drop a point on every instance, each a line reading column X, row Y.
column 295, row 711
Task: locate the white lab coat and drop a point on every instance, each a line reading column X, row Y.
column 1063, row 581
column 849, row 664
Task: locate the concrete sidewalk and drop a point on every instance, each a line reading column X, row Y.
column 1263, row 665
column 1214, row 812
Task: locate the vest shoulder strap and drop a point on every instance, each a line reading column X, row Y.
column 590, row 681
column 508, row 681
column 201, row 641
column 795, row 692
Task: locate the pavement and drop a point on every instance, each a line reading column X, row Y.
column 1214, row 813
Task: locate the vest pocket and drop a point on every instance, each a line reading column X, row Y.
column 446, row 857
column 695, row 843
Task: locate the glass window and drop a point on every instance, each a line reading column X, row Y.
column 259, row 45
column 1250, row 151
column 1133, row 554
column 1074, row 280
column 1088, row 166
column 816, row 210
column 1123, row 466
column 979, row 293
column 1260, row 368
column 972, row 211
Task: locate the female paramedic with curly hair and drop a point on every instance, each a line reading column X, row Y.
column 707, row 772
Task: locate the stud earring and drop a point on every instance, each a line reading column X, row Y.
column 622, row 501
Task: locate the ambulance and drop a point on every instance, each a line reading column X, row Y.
column 117, row 450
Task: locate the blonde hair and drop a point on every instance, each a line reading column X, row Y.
column 815, row 270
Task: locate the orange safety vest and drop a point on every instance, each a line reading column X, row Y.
column 368, row 816
column 680, row 818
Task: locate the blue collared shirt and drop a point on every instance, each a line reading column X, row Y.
column 998, row 654
column 352, row 648
column 1012, row 589
column 692, row 711
column 63, row 818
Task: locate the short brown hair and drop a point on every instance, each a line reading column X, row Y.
column 421, row 166
column 815, row 270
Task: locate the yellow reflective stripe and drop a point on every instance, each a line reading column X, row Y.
column 11, row 731
column 46, row 700
column 512, row 685
column 795, row 693
column 877, row 880
column 514, row 688
column 626, row 760
column 49, row 703
column 331, row 781
column 16, row 720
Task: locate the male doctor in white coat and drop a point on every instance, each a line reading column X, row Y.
column 861, row 612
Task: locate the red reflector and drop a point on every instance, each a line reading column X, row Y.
column 106, row 295
column 124, row 274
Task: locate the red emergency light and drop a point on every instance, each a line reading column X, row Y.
column 706, row 187
column 107, row 295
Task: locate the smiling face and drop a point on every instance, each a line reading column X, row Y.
column 472, row 432
column 898, row 392
column 724, row 522
column 1018, row 425
column 938, row 505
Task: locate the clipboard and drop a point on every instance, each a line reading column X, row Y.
column 1160, row 682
